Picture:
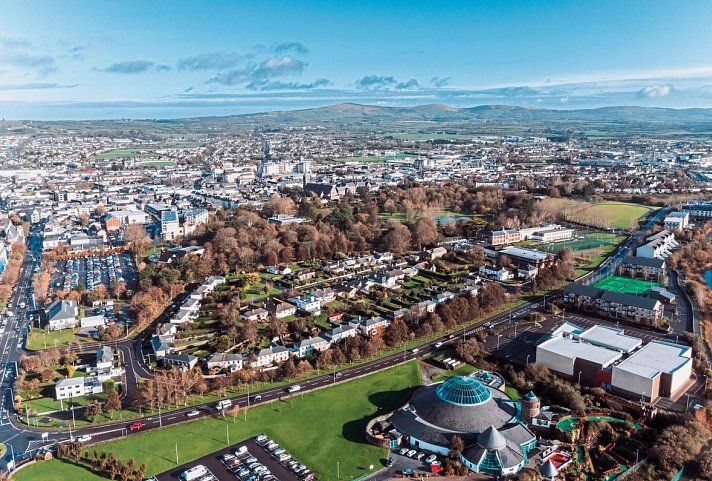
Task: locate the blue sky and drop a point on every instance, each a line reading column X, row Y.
column 160, row 59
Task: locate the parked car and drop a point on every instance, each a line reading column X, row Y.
column 411, row 453
column 430, row 459
column 403, row 451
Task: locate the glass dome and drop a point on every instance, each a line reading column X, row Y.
column 463, row 391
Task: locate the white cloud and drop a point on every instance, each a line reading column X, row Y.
column 654, row 91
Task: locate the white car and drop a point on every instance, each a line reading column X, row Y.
column 84, row 439
column 192, row 413
column 430, row 459
column 403, row 451
column 411, row 453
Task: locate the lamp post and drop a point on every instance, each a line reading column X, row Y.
column 579, row 378
column 527, row 360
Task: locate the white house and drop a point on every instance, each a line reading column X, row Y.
column 271, row 355
column 77, row 387
column 498, row 273
column 225, row 361
column 340, row 332
column 310, row 304
column 306, row 347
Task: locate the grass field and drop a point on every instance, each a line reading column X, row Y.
column 626, row 285
column 589, row 241
column 318, row 429
column 39, row 339
column 622, row 215
column 116, row 153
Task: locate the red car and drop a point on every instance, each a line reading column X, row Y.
column 135, row 426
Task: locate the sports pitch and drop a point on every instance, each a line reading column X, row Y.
column 625, row 285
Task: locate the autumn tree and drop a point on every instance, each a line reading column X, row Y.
column 424, row 232
column 113, row 403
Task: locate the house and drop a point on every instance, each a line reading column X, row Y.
column 310, row 304
column 269, row 356
column 283, row 219
column 62, row 314
column 304, row 275
column 223, row 361
column 340, row 332
column 658, row 246
column 432, row 254
column 369, row 327
column 191, row 307
column 185, row 362
column 322, row 191
column 280, row 310
column 528, row 272
column 258, row 314
column 213, row 281
column 104, row 358
column 182, row 316
column 497, row 273
column 77, row 387
column 325, row 295
column 677, row 221
column 279, row 270
column 443, row 297
column 162, row 345
column 306, row 347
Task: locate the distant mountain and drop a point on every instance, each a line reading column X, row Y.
column 439, row 112
column 614, row 122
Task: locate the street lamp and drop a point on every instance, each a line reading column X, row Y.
column 527, row 359
column 498, row 336
column 579, row 378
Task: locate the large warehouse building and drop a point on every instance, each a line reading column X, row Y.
column 606, row 357
column 658, row 369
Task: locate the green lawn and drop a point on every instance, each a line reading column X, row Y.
column 255, row 291
column 40, row 339
column 464, row 370
column 622, row 215
column 317, row 428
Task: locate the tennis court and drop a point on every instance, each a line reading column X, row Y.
column 626, row 285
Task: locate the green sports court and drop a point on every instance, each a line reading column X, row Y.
column 626, row 285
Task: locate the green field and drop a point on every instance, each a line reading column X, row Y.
column 39, row 338
column 589, row 241
column 318, row 429
column 625, row 285
column 622, row 215
column 117, row 153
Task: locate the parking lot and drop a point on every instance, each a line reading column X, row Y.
column 94, row 271
column 246, row 461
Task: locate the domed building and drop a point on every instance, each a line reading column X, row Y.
column 487, row 420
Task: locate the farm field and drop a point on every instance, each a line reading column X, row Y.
column 316, row 428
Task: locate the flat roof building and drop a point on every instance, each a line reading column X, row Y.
column 658, row 369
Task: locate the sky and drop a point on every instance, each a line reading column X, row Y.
column 65, row 59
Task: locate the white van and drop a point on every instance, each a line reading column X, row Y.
column 224, row 404
column 294, row 388
column 196, row 472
